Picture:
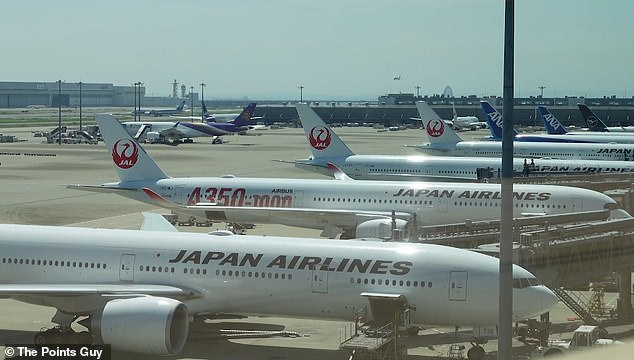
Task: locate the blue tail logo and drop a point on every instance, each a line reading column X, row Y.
column 494, row 119
column 553, row 126
column 593, row 121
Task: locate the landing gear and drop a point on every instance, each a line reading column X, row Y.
column 61, row 335
column 216, row 140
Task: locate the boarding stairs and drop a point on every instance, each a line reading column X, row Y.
column 575, row 306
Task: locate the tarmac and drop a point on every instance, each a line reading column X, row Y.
column 32, row 191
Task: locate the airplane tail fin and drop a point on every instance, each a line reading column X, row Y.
column 181, row 106
column 131, row 161
column 593, row 121
column 245, row 116
column 494, row 120
column 323, row 141
column 204, row 107
column 438, row 132
column 552, row 125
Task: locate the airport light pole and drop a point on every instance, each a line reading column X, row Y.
column 59, row 111
column 137, row 85
column 134, row 110
column 202, row 98
column 301, row 93
column 417, row 91
column 505, row 296
column 542, row 91
column 80, row 115
column 191, row 96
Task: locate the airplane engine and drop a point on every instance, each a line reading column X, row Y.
column 378, row 228
column 150, row 325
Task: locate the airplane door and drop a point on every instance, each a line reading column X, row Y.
column 442, row 204
column 126, row 270
column 458, row 286
column 180, row 197
column 298, row 199
column 577, row 204
column 319, row 282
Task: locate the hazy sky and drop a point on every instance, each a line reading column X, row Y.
column 348, row 49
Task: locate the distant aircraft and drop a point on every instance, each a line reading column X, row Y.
column 240, row 124
column 229, row 116
column 161, row 112
column 444, row 141
column 466, row 122
column 552, row 124
column 596, row 124
column 327, row 148
column 138, row 290
column 183, row 131
column 353, row 208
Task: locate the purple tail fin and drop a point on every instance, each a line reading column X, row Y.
column 245, row 116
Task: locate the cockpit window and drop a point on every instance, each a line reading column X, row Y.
column 525, row 282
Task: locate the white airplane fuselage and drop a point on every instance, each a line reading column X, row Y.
column 266, row 275
column 590, row 151
column 433, row 203
column 602, row 138
column 452, row 168
column 180, row 130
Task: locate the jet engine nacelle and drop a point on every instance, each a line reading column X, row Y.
column 149, row 325
column 378, row 228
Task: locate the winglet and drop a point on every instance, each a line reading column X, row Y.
column 338, row 173
column 156, row 222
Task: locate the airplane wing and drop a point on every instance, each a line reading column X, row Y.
column 10, row 290
column 100, row 188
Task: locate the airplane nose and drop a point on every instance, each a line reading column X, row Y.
column 549, row 299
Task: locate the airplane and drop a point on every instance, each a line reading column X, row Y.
column 352, row 208
column 138, row 290
column 226, row 117
column 596, row 124
column 466, row 122
column 207, row 117
column 553, row 125
column 444, row 141
column 183, row 131
column 241, row 122
column 161, row 112
column 495, row 121
column 326, row 147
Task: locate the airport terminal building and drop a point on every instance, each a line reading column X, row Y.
column 28, row 94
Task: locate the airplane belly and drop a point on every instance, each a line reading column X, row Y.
column 300, row 297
